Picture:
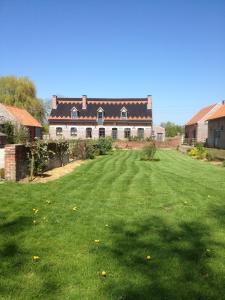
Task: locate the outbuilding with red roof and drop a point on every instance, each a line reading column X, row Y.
column 20, row 117
column 216, row 128
column 196, row 129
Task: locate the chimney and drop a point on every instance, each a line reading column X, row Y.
column 54, row 102
column 84, row 102
column 149, row 104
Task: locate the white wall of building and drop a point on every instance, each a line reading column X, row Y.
column 81, row 131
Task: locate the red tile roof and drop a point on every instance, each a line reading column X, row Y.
column 22, row 116
column 201, row 114
column 220, row 113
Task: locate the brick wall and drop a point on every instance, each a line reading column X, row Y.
column 168, row 143
column 16, row 163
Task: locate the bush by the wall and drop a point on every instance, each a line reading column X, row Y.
column 38, row 156
column 103, row 145
column 198, row 152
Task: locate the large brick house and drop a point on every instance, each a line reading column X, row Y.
column 216, row 128
column 19, row 116
column 73, row 118
column 197, row 128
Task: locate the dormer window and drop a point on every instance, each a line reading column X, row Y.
column 123, row 113
column 100, row 114
column 74, row 113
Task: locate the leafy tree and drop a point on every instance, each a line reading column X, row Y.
column 172, row 129
column 21, row 92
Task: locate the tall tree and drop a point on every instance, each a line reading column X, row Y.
column 21, row 92
column 172, row 129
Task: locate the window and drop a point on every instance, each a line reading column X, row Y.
column 88, row 133
column 74, row 113
column 140, row 133
column 102, row 132
column 100, row 114
column 114, row 133
column 58, row 130
column 123, row 113
column 127, row 133
column 73, row 131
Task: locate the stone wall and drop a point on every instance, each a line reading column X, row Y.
column 81, row 131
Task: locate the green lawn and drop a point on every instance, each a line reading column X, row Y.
column 172, row 210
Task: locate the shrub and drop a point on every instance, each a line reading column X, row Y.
column 82, row 149
column 149, row 151
column 223, row 164
column 103, row 145
column 61, row 150
column 38, row 155
column 198, row 152
column 15, row 134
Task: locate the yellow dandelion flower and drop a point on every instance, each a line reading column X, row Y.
column 103, row 273
column 148, row 257
column 36, row 258
column 97, row 241
column 74, row 208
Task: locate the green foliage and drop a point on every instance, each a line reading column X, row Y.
column 21, row 92
column 149, row 151
column 9, row 129
column 82, row 149
column 103, row 145
column 172, row 129
column 223, row 164
column 135, row 138
column 198, row 152
column 15, row 134
column 38, row 155
column 21, row 134
column 61, row 150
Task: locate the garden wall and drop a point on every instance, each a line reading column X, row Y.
column 171, row 143
column 17, row 163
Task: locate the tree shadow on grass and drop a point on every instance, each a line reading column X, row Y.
column 16, row 261
column 181, row 264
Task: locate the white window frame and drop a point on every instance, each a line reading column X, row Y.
column 101, row 136
column 125, row 131
column 123, row 111
column 57, row 131
column 90, row 131
column 72, row 111
column 75, row 131
column 100, row 110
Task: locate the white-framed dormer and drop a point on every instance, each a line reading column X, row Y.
column 100, row 113
column 123, row 113
column 74, row 113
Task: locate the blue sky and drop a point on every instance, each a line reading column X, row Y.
column 172, row 49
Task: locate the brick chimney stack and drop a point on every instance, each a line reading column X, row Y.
column 84, row 102
column 149, row 104
column 54, row 102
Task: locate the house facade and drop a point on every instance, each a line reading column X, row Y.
column 19, row 116
column 81, row 118
column 196, row 130
column 159, row 133
column 216, row 128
